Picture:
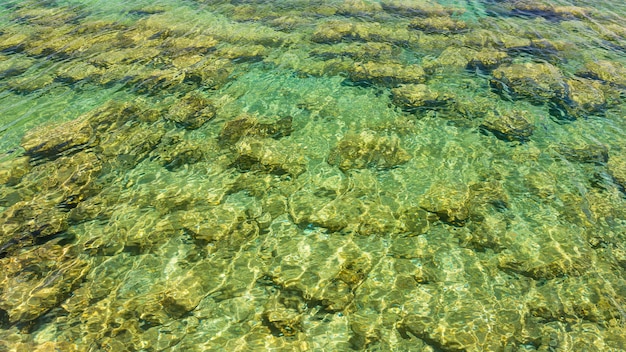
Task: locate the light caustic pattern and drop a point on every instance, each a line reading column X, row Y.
column 312, row 175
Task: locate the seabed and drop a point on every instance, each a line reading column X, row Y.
column 336, row 175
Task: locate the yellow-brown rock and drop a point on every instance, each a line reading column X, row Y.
column 607, row 71
column 416, row 96
column 359, row 7
column 593, row 153
column 78, row 71
column 35, row 281
column 368, row 149
column 389, row 74
column 247, row 125
column 449, row 202
column 537, row 82
column 511, row 125
column 243, row 53
column 488, row 59
column 12, row 41
column 26, row 222
column 534, row 8
column 210, row 73
column 191, row 111
column 333, row 32
column 357, row 51
column 617, row 168
column 562, row 253
column 83, row 132
column 27, row 85
column 438, row 25
column 183, row 152
column 422, row 8
column 586, row 95
column 12, row 170
column 268, row 155
column 14, row 65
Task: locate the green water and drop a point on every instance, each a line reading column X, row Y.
column 335, row 175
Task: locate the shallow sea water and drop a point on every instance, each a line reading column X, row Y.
column 253, row 175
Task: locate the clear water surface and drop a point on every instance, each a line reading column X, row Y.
column 339, row 175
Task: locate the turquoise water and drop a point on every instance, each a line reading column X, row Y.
column 312, row 175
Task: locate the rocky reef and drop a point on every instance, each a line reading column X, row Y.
column 341, row 175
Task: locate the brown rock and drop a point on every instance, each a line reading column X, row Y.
column 617, row 168
column 438, row 25
column 268, row 155
column 191, row 111
column 368, row 149
column 449, row 202
column 536, row 82
column 509, row 126
column 389, row 74
column 584, row 153
column 416, row 96
column 26, row 222
column 247, row 125
column 586, row 95
column 604, row 70
column 35, row 281
column 333, row 32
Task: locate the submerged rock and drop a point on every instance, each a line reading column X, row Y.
column 617, row 169
column 246, row 125
column 368, row 149
column 585, row 96
column 509, row 126
column 451, row 58
column 191, row 111
column 332, row 213
column 561, row 253
column 534, row 8
column 68, row 180
column 84, row 132
column 607, row 71
column 12, row 170
column 333, row 32
column 14, row 65
column 438, row 25
column 243, row 53
column 358, row 51
column 585, row 153
column 66, row 138
column 537, row 82
column 13, row 41
column 488, row 59
column 416, row 96
column 33, row 282
column 457, row 325
column 78, row 72
column 417, row 8
column 283, row 321
column 175, row 153
column 27, row 222
column 449, row 202
column 211, row 73
column 467, row 58
column 484, row 38
column 389, row 74
column 30, row 84
column 268, row 155
column 359, row 7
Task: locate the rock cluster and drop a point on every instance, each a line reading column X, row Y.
column 389, row 175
